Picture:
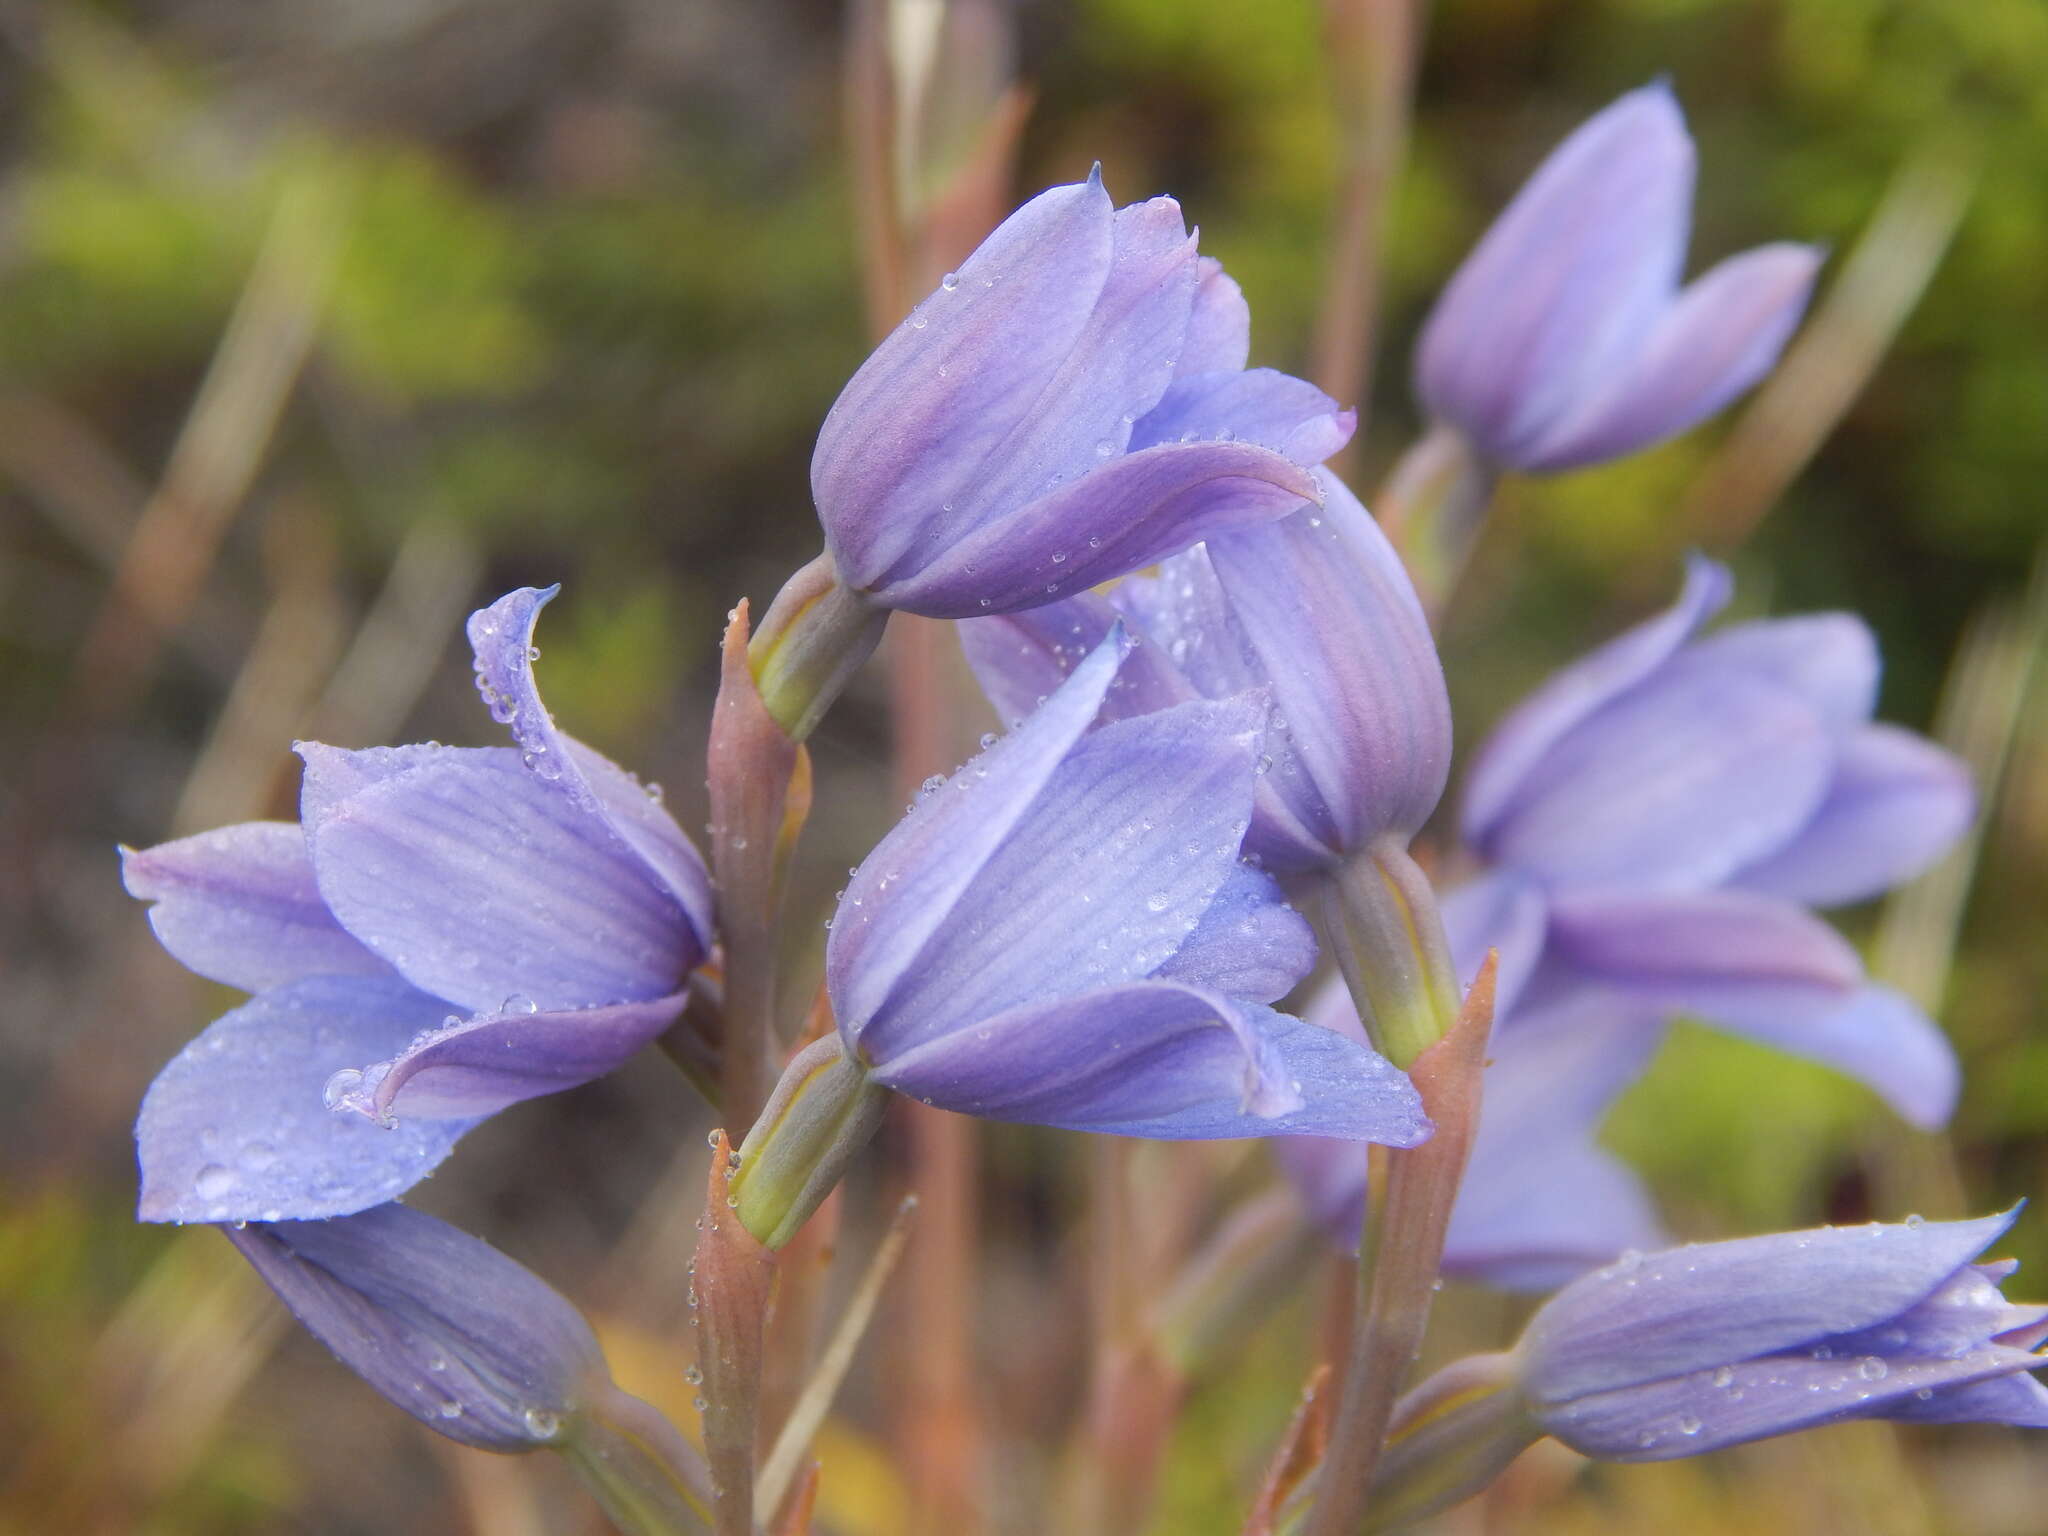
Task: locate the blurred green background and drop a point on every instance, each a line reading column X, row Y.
column 320, row 325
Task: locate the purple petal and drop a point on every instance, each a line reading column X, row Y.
column 1132, row 511
column 239, row 906
column 1703, row 1306
column 1575, row 1207
column 1497, row 911
column 1564, row 288
column 1875, row 1035
column 1110, row 869
column 907, row 887
column 1165, row 1061
column 471, row 1344
column 1581, row 689
column 1896, row 805
column 477, row 880
column 502, row 637
column 234, row 1128
column 1020, row 659
column 1751, row 1399
column 1326, row 606
column 1828, row 659
column 1275, row 410
column 2015, row 1398
column 1708, row 952
column 936, row 398
column 1675, row 786
column 1722, row 335
column 1968, row 1310
column 1219, row 326
column 477, row 1067
column 1249, row 944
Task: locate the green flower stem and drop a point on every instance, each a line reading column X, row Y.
column 813, row 639
column 823, row 1111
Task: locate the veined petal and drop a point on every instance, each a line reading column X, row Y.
column 471, row 1344
column 935, row 399
column 1722, row 335
column 937, row 851
column 1676, row 786
column 2015, row 1398
column 1581, row 689
column 1699, row 1308
column 1326, row 606
column 1249, row 943
column 1219, row 324
column 1020, row 659
column 476, row 1067
column 502, row 638
column 1166, row 1061
column 478, row 881
column 1828, row 659
column 1896, row 804
column 240, row 906
column 1130, row 512
column 1121, row 363
column 1563, row 289
column 234, row 1128
column 1110, row 869
column 1707, row 951
column 1275, row 410
column 1686, row 1415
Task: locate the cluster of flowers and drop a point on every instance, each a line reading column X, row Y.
column 1089, row 926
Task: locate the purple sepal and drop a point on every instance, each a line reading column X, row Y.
column 1712, row 1345
column 1565, row 338
column 468, row 1342
column 1064, row 933
column 240, row 906
column 1001, row 448
column 235, row 1127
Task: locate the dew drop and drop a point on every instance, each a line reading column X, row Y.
column 258, row 1156
column 212, row 1182
column 694, row 1375
column 1870, row 1368
column 519, row 1002
column 541, row 1424
column 699, row 1403
column 449, row 1410
column 950, row 281
column 1688, row 1425
column 340, row 1086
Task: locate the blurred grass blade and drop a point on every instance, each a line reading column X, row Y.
column 811, row 1406
column 1826, row 367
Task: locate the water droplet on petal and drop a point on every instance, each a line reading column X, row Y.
column 340, row 1086
column 950, row 281
column 541, row 1424
column 213, row 1181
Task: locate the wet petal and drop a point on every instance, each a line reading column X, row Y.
column 1020, row 659
column 1165, row 1061
column 479, row 1066
column 1249, row 944
column 477, row 880
column 240, row 906
column 1130, row 512
column 915, row 876
column 1100, row 881
column 1275, row 410
column 935, row 399
column 1569, row 1208
column 1326, row 606
column 1497, row 911
column 471, row 1344
column 1701, row 1307
column 235, row 1128
column 502, row 638
column 1219, row 325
